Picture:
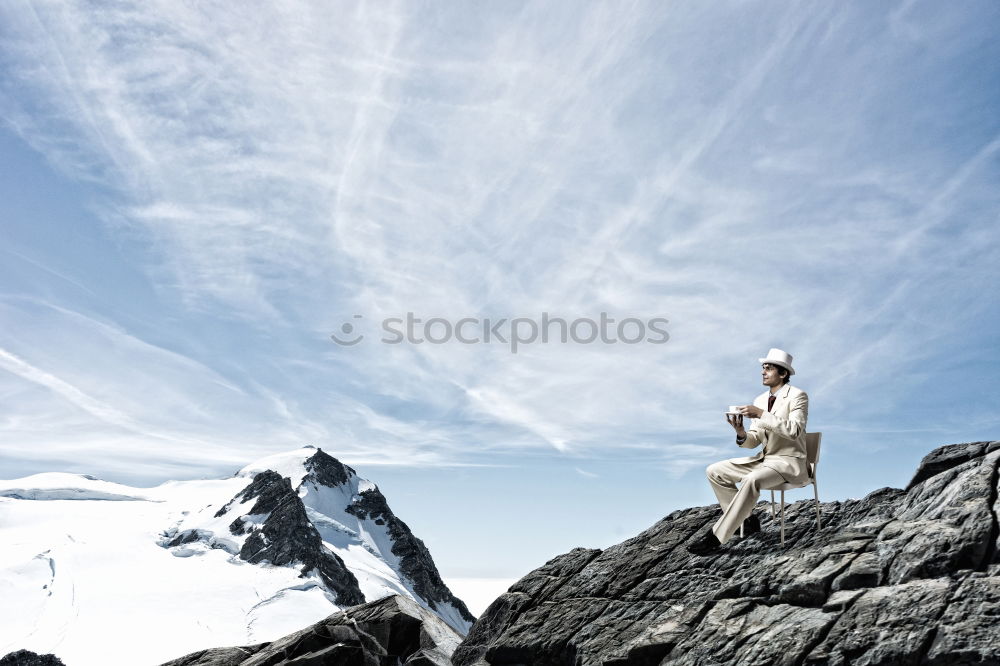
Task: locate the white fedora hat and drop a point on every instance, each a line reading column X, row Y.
column 779, row 357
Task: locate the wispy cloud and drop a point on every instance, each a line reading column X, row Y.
column 289, row 167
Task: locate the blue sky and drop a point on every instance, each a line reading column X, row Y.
column 194, row 198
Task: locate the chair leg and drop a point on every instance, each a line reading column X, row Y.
column 782, row 518
column 773, row 515
column 816, row 491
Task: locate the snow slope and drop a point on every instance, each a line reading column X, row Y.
column 59, row 485
column 94, row 582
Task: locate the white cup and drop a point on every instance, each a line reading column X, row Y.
column 734, row 408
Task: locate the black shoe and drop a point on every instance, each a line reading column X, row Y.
column 704, row 544
column 751, row 525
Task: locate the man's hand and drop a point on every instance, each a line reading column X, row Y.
column 751, row 411
column 736, row 420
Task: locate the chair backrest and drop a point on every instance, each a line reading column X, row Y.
column 812, row 446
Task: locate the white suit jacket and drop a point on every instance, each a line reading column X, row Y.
column 782, row 431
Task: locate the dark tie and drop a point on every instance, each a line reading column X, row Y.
column 770, row 402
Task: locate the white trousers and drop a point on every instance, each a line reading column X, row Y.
column 738, row 503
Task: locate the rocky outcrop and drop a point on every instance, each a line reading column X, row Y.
column 28, row 658
column 898, row 577
column 286, row 536
column 415, row 561
column 326, row 470
column 388, row 632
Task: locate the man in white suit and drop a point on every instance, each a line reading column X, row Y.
column 780, row 425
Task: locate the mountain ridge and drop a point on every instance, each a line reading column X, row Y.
column 308, row 507
column 284, row 541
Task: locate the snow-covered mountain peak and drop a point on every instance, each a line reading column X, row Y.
column 285, row 541
column 306, row 506
column 306, row 463
column 289, row 464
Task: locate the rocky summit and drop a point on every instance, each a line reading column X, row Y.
column 899, row 577
column 301, row 520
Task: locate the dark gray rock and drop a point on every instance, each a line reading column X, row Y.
column 326, row 470
column 389, row 632
column 284, row 537
column 28, row 658
column 968, row 628
column 946, row 457
column 898, row 577
column 230, row 656
column 288, row 537
column 415, row 561
column 890, row 624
